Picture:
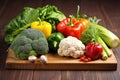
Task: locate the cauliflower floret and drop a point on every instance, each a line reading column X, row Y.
column 72, row 47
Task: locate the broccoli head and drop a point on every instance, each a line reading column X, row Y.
column 29, row 42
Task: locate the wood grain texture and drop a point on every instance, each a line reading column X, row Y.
column 107, row 10
column 16, row 75
column 56, row 62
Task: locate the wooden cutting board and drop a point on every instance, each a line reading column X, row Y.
column 56, row 62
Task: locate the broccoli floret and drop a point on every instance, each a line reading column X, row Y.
column 32, row 34
column 38, row 46
column 29, row 42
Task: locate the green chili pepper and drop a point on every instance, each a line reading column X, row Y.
column 54, row 40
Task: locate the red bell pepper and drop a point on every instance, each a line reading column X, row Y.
column 94, row 51
column 70, row 27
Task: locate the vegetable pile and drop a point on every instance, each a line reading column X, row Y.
column 36, row 32
column 47, row 13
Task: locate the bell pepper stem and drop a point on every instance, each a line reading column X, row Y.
column 39, row 21
column 55, row 44
column 70, row 22
column 94, row 41
column 78, row 9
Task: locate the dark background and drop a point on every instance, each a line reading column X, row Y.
column 107, row 10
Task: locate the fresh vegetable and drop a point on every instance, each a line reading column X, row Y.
column 25, row 34
column 105, row 47
column 82, row 18
column 47, row 13
column 54, row 40
column 85, row 23
column 71, row 47
column 43, row 26
column 91, row 33
column 19, row 23
column 107, row 36
column 52, row 15
column 93, row 50
column 70, row 27
column 73, row 26
column 43, row 59
column 85, row 58
column 29, row 42
column 32, row 58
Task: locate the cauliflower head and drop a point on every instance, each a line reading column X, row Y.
column 29, row 42
column 71, row 47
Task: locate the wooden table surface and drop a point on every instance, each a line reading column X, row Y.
column 107, row 10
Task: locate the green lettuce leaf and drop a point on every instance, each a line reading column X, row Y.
column 19, row 23
column 52, row 15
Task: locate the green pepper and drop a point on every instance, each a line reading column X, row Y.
column 54, row 40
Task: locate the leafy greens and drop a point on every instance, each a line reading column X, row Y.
column 48, row 13
column 19, row 23
column 52, row 15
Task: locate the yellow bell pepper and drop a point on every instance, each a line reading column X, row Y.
column 43, row 26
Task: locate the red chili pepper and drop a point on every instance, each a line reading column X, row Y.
column 70, row 27
column 94, row 51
